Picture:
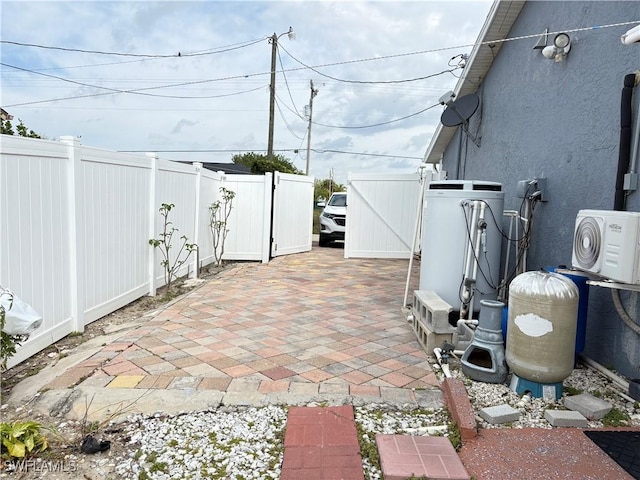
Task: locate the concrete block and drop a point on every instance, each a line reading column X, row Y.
column 499, row 414
column 565, row 418
column 432, row 311
column 591, row 407
column 428, row 338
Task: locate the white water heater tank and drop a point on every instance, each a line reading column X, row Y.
column 446, row 229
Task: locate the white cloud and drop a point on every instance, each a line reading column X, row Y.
column 356, row 41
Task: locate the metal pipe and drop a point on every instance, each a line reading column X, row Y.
column 476, row 230
column 417, row 225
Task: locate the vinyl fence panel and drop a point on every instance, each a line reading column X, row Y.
column 113, row 225
column 76, row 223
column 176, row 185
column 381, row 215
column 35, row 235
column 210, row 184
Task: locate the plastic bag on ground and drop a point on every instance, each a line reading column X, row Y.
column 20, row 317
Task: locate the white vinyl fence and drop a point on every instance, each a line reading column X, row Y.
column 382, row 211
column 75, row 224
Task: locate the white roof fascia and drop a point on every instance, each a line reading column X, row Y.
column 499, row 21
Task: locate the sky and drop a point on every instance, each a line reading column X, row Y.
column 190, row 80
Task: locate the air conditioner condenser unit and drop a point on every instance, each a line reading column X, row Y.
column 607, row 243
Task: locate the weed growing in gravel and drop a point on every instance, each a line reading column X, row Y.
column 616, row 418
column 570, row 391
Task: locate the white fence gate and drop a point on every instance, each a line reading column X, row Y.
column 292, row 214
column 75, row 224
column 382, row 212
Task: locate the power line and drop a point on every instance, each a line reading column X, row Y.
column 285, row 80
column 491, row 42
column 373, row 82
column 377, row 124
column 138, row 55
column 287, row 123
column 258, row 150
column 134, row 90
column 115, row 90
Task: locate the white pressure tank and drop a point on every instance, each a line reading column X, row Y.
column 446, row 230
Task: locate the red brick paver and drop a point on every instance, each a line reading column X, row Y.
column 321, row 443
column 406, row 456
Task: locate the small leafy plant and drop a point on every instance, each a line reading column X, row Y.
column 164, row 243
column 219, row 212
column 20, row 439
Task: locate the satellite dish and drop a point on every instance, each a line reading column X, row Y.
column 460, row 110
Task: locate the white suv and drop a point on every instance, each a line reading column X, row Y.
column 333, row 219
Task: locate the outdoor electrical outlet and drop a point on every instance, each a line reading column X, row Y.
column 531, row 187
column 522, row 188
column 541, row 186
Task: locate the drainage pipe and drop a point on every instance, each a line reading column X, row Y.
column 635, row 143
column 624, row 155
column 615, row 295
column 605, row 371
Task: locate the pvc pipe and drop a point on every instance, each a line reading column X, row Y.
column 606, row 372
column 469, row 322
column 445, row 367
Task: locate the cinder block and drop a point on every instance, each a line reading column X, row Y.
column 593, row 408
column 499, row 414
column 427, row 338
column 565, row 418
column 432, row 311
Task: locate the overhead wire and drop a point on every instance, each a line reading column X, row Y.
column 285, row 120
column 350, row 127
column 370, row 82
column 213, row 51
column 286, row 82
column 377, row 58
column 135, row 92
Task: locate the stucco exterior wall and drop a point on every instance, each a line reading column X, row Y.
column 560, row 120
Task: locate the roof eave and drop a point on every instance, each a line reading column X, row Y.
column 499, row 21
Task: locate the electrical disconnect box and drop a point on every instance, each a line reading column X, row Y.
column 532, row 188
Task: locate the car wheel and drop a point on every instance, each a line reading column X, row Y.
column 323, row 241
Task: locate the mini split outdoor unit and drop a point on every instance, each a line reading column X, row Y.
column 607, row 243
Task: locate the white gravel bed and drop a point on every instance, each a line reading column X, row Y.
column 581, row 380
column 380, row 419
column 242, row 443
column 229, row 443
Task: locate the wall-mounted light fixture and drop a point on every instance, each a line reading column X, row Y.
column 542, row 41
column 631, row 36
column 559, row 49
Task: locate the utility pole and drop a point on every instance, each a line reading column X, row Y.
column 314, row 92
column 272, row 86
column 272, row 94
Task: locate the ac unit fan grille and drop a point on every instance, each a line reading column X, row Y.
column 586, row 242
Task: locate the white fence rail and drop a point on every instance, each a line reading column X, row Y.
column 75, row 223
